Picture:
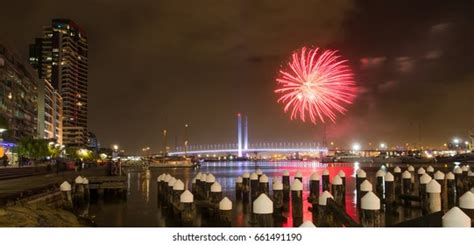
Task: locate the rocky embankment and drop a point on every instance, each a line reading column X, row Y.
column 38, row 216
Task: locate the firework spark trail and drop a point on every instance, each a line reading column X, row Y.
column 316, row 84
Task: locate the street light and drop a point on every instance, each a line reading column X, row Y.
column 456, row 141
column 356, row 147
column 2, row 130
column 115, row 147
column 383, row 146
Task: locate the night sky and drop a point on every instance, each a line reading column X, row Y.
column 157, row 64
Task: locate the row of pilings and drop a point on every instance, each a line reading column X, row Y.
column 443, row 199
column 77, row 195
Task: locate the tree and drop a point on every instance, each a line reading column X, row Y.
column 33, row 148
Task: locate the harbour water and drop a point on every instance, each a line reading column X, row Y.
column 141, row 207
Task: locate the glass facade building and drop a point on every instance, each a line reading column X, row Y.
column 60, row 56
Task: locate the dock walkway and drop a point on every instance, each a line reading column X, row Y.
column 14, row 189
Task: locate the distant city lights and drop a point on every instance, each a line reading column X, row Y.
column 356, row 147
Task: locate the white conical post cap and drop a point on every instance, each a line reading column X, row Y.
column 397, row 169
column 307, row 224
column 370, row 201
column 216, row 187
column 259, row 172
column 325, row 172
column 160, row 178
column 457, row 170
column 277, row 186
column 254, row 176
column 430, row 169
column 194, row 180
column 171, row 181
column 286, row 173
column 406, row 175
column 65, row 186
column 299, row 174
column 433, row 187
column 263, row 179
column 341, row 174
column 466, row 201
column 314, row 176
column 323, row 198
column 470, row 173
column 425, row 179
column 439, row 175
column 337, row 180
column 239, row 180
column 186, row 197
column 380, row 173
column 421, row 170
column 465, row 168
column 389, row 177
column 361, row 174
column 178, row 185
column 366, row 186
column 263, row 205
column 225, row 204
column 297, row 185
column 166, row 178
column 85, row 181
column 450, row 176
column 411, row 168
column 210, row 178
column 203, row 177
column 455, row 217
column 198, row 175
column 78, row 180
column 246, row 175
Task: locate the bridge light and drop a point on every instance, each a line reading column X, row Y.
column 356, row 147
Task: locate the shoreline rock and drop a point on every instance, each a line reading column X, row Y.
column 40, row 216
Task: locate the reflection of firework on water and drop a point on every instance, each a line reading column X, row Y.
column 316, row 84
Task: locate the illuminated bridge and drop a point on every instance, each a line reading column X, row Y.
column 254, row 148
column 243, row 148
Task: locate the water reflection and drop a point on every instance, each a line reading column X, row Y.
column 142, row 209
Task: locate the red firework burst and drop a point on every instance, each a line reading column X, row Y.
column 316, row 84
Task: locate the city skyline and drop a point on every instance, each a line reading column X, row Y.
column 145, row 77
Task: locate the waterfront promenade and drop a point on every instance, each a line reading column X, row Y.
column 16, row 188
